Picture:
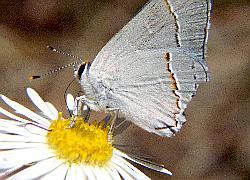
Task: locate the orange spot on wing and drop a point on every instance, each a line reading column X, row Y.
column 173, row 84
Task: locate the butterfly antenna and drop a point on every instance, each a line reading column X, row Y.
column 53, row 71
column 60, row 52
column 60, row 68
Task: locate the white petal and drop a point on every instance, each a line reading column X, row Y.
column 36, row 130
column 20, row 145
column 9, row 127
column 136, row 173
column 121, row 171
column 101, row 173
column 18, row 138
column 113, row 173
column 75, row 172
column 52, row 108
column 59, row 173
column 80, row 174
column 13, row 158
column 38, row 101
column 6, row 173
column 71, row 174
column 88, row 172
column 12, row 116
column 143, row 163
column 25, row 111
column 70, row 102
column 4, row 122
column 38, row 170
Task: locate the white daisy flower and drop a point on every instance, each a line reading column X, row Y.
column 41, row 146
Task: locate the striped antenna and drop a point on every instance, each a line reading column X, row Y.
column 60, row 52
column 53, row 71
column 60, row 68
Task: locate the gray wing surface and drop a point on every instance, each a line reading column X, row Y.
column 147, row 92
column 154, row 65
column 161, row 24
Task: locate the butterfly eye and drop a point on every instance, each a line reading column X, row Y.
column 80, row 70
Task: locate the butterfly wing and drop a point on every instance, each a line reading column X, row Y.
column 161, row 24
column 153, row 66
column 150, row 91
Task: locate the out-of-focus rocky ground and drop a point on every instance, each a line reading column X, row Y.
column 213, row 144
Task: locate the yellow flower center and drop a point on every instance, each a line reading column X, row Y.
column 83, row 143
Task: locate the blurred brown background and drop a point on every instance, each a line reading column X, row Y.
column 214, row 143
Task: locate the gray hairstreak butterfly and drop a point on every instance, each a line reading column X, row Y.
column 152, row 68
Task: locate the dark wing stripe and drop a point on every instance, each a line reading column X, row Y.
column 177, row 24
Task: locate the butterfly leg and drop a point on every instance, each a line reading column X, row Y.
column 114, row 115
column 80, row 107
